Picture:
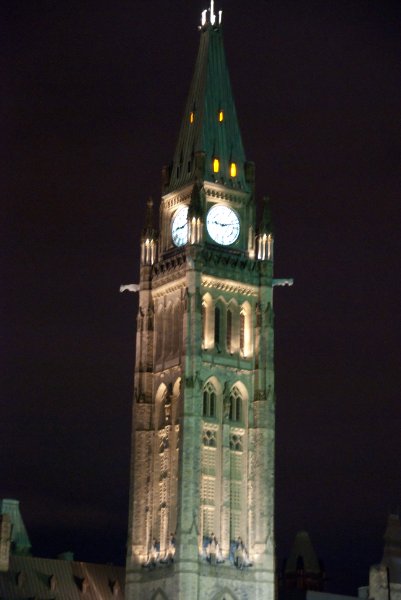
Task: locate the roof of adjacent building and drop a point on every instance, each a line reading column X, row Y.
column 49, row 579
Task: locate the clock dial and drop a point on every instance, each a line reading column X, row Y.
column 222, row 224
column 179, row 227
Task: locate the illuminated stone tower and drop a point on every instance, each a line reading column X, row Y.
column 201, row 505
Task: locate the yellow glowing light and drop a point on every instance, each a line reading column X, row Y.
column 191, row 117
column 216, row 165
column 221, row 115
column 233, row 169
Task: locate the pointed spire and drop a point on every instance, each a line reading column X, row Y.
column 303, row 570
column 392, row 537
column 210, row 125
column 195, row 206
column 302, row 547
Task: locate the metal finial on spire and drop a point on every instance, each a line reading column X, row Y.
column 212, row 16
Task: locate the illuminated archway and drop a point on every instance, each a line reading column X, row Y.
column 245, row 330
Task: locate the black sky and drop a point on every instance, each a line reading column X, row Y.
column 93, row 94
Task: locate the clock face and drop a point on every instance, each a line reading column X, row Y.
column 179, row 227
column 222, row 224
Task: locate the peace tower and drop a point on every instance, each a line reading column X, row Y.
column 202, row 488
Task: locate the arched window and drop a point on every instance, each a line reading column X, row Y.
column 161, row 399
column 217, row 326
column 168, row 333
column 209, row 400
column 229, row 330
column 242, row 333
column 246, row 333
column 203, row 324
column 176, row 329
column 207, row 322
column 235, row 405
column 159, row 333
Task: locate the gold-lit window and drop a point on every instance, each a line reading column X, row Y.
column 216, row 165
column 221, row 116
column 233, row 169
column 191, row 117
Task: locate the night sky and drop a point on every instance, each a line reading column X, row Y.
column 93, row 95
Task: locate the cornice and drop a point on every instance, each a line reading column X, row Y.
column 221, row 192
column 174, row 198
column 166, row 287
column 229, row 285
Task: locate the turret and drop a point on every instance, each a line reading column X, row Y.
column 148, row 237
column 195, row 214
column 265, row 235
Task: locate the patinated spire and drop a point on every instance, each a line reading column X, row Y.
column 210, row 125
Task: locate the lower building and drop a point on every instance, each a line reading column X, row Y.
column 25, row 577
column 385, row 577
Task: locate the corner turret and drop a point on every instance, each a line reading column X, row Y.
column 148, row 237
column 265, row 235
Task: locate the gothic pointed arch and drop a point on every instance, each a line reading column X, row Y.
column 238, row 403
column 209, row 400
column 212, row 399
column 207, row 321
column 176, row 387
column 175, row 325
column 159, row 330
column 211, row 457
column 232, row 341
column 245, row 330
column 159, row 595
column 160, row 399
column 225, row 594
column 168, row 330
column 219, row 324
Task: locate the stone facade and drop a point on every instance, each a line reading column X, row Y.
column 202, row 487
column 385, row 578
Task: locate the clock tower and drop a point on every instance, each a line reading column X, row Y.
column 201, row 521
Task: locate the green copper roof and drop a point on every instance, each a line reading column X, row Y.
column 202, row 130
column 19, row 537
